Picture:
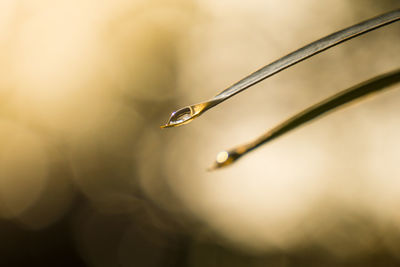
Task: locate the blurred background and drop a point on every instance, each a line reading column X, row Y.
column 87, row 178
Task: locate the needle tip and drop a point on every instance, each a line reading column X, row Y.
column 180, row 117
column 224, row 158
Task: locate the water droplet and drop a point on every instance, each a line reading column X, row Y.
column 222, row 157
column 226, row 158
column 179, row 117
column 187, row 114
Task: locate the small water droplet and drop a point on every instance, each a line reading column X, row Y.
column 187, row 114
column 180, row 117
column 222, row 157
column 226, row 158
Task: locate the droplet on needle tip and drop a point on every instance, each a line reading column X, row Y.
column 188, row 113
column 179, row 117
column 225, row 158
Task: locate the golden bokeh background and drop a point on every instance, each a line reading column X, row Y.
column 87, row 178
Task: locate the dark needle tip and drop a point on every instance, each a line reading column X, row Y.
column 225, row 158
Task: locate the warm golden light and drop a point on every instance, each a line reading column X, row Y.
column 87, row 175
column 23, row 169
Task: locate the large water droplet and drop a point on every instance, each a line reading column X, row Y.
column 180, row 117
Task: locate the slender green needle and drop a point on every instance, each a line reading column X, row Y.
column 187, row 114
column 375, row 85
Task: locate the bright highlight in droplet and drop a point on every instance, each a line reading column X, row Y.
column 222, row 156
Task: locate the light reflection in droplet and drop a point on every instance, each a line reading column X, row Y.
column 222, row 156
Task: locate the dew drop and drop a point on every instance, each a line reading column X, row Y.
column 222, row 157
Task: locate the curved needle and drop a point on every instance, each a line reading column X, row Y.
column 187, row 114
column 374, row 85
